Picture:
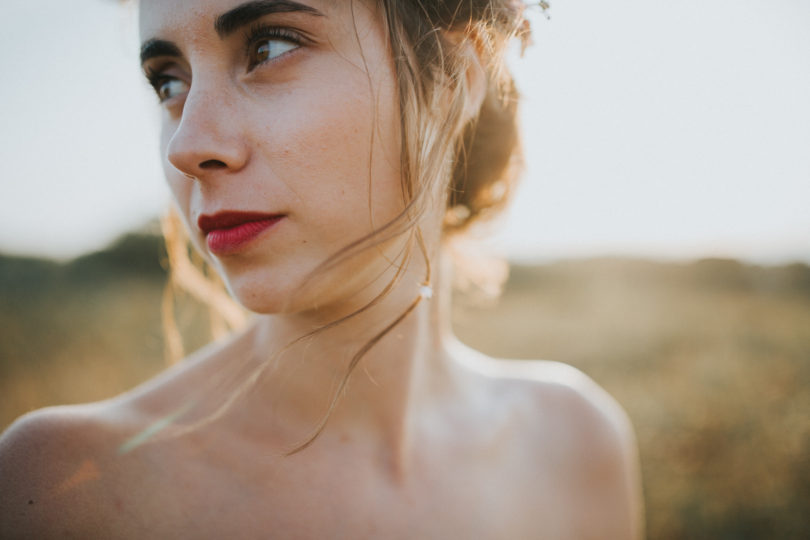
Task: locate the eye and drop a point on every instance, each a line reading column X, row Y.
column 269, row 49
column 267, row 43
column 166, row 87
column 170, row 87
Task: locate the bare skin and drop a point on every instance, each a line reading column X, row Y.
column 492, row 449
column 430, row 439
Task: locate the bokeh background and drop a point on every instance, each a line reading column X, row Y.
column 659, row 242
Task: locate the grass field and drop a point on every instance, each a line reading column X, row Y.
column 711, row 359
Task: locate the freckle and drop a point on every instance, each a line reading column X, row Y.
column 30, row 501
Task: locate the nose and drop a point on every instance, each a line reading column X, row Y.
column 208, row 137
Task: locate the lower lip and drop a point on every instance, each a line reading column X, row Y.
column 227, row 241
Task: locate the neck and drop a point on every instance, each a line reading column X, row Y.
column 404, row 369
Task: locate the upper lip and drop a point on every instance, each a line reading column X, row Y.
column 229, row 219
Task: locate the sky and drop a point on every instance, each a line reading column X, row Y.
column 652, row 128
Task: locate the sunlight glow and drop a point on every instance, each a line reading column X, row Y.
column 651, row 130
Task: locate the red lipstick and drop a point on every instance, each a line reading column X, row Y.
column 228, row 232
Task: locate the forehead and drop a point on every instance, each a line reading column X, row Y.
column 162, row 17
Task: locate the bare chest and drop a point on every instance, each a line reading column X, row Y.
column 336, row 499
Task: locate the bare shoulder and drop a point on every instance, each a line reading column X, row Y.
column 70, row 470
column 564, row 395
column 556, row 393
column 578, row 442
column 50, row 470
column 588, row 437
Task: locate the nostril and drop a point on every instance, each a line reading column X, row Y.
column 212, row 164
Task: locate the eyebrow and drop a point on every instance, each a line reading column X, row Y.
column 243, row 14
column 229, row 22
column 158, row 47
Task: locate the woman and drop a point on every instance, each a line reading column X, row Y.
column 313, row 149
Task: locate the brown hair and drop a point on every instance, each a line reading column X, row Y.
column 470, row 164
column 487, row 156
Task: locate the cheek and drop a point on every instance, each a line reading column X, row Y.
column 182, row 191
column 340, row 141
column 180, row 186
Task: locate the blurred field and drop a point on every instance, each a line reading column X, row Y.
column 710, row 359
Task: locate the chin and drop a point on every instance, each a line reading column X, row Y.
column 264, row 296
column 277, row 287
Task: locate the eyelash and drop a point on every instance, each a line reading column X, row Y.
column 263, row 32
column 156, row 79
column 257, row 34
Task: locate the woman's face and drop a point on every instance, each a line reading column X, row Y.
column 280, row 137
